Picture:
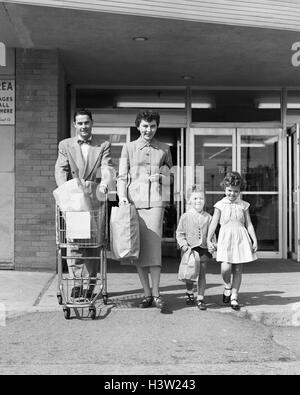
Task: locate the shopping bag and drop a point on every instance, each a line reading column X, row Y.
column 189, row 267
column 125, row 232
column 70, row 197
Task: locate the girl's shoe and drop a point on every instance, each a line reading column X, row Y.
column 201, row 305
column 235, row 304
column 146, row 302
column 226, row 298
column 189, row 298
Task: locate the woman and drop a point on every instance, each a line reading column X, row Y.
column 144, row 179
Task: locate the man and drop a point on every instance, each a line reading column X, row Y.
column 87, row 159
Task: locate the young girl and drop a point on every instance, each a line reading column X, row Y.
column 191, row 233
column 237, row 243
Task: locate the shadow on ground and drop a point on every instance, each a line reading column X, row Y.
column 176, row 301
column 170, row 265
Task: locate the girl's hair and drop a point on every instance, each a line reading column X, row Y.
column 233, row 179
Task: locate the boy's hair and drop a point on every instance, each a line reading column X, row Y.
column 233, row 179
column 195, row 189
column 82, row 111
column 147, row 115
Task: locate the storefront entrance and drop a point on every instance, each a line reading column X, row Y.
column 256, row 154
column 294, row 192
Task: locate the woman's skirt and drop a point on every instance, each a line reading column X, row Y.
column 151, row 222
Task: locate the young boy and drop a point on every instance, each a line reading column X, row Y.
column 191, row 233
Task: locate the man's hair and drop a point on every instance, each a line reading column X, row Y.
column 83, row 111
column 233, row 179
column 147, row 115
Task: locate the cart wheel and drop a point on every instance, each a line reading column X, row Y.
column 105, row 298
column 93, row 313
column 59, row 299
column 67, row 313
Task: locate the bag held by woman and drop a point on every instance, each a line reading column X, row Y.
column 125, row 232
column 189, row 267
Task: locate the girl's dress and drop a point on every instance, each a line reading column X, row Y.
column 234, row 242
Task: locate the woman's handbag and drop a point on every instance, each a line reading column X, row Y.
column 189, row 267
column 125, row 232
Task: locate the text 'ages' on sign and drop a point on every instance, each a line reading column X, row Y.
column 2, row 55
column 7, row 102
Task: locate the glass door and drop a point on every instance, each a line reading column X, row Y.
column 255, row 153
column 211, row 155
column 258, row 158
column 294, row 192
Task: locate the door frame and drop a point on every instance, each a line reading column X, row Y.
column 236, row 164
column 294, row 193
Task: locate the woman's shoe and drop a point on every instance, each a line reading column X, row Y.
column 226, row 298
column 189, row 298
column 201, row 305
column 235, row 304
column 146, row 302
column 159, row 302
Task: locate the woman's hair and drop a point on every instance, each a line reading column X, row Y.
column 82, row 111
column 233, row 179
column 147, row 115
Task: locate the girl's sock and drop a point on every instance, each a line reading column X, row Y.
column 200, row 297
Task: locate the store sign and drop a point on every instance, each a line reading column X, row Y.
column 7, row 102
column 2, row 55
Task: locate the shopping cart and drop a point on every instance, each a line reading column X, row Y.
column 82, row 237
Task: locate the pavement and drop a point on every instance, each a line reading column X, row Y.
column 270, row 291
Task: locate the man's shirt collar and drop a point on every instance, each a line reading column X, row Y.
column 143, row 143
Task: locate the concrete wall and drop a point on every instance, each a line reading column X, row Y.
column 39, row 87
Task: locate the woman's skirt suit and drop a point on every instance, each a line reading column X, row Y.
column 139, row 160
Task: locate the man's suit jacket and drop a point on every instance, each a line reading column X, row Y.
column 97, row 168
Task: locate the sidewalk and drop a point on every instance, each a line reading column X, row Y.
column 270, row 291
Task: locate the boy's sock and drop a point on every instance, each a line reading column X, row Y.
column 227, row 289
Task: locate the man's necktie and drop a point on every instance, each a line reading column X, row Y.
column 80, row 142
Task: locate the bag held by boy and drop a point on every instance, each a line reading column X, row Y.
column 125, row 232
column 189, row 267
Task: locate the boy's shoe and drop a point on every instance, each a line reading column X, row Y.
column 201, row 305
column 226, row 298
column 189, row 298
column 235, row 304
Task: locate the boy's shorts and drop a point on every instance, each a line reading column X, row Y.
column 203, row 253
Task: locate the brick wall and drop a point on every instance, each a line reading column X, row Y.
column 38, row 87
